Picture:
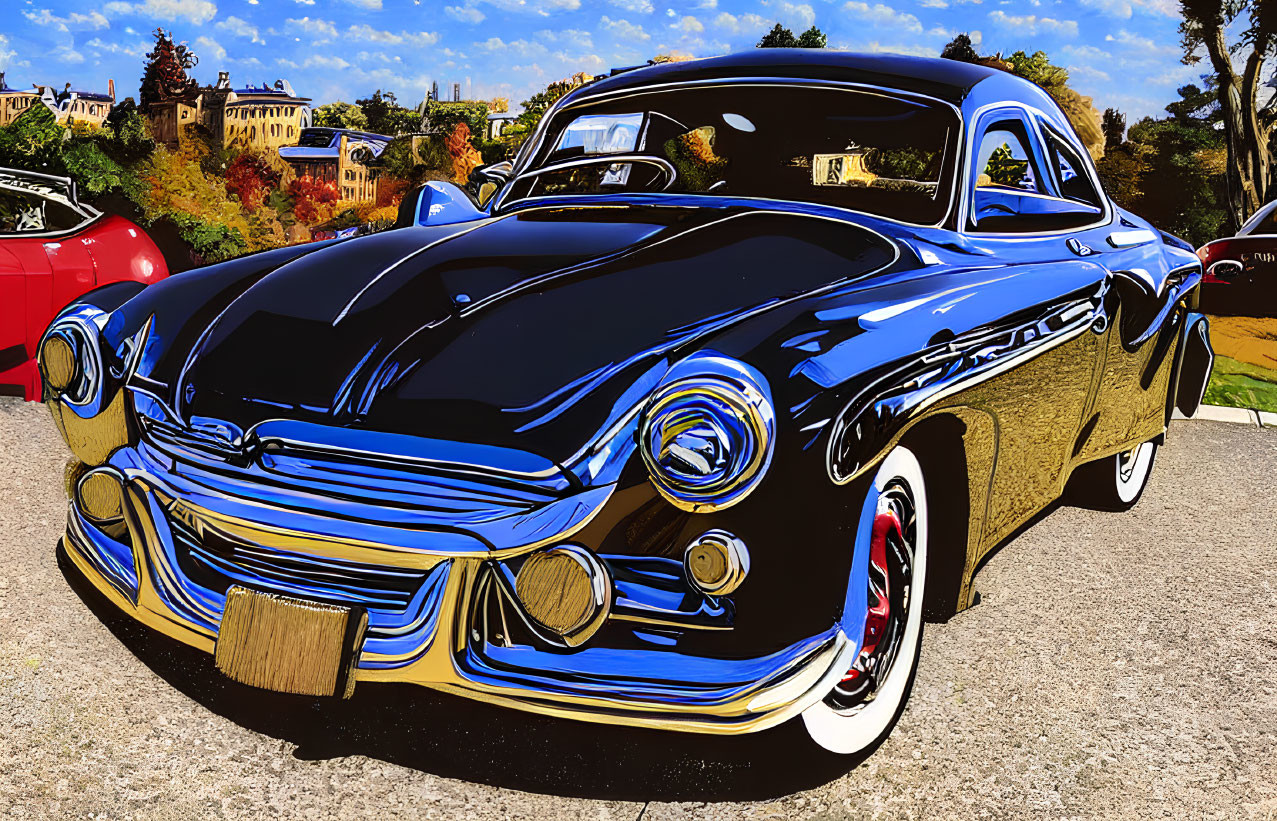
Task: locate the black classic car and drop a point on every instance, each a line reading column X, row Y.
column 686, row 421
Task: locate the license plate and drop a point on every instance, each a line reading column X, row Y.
column 289, row 645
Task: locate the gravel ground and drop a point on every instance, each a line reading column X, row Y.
column 1118, row 666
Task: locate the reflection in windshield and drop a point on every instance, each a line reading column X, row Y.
column 866, row 151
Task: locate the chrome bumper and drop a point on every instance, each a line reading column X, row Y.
column 433, row 639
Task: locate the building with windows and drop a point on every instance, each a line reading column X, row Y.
column 338, row 155
column 67, row 105
column 14, row 102
column 265, row 117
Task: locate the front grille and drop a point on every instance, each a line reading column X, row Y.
column 216, row 562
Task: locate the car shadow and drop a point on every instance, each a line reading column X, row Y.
column 459, row 738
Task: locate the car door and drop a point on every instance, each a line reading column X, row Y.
column 1134, row 363
column 1017, row 219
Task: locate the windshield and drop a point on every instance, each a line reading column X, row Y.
column 869, row 152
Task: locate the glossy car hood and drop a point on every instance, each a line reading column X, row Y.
column 522, row 331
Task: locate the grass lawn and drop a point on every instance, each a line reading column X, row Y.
column 1242, row 385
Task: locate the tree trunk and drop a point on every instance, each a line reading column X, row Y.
column 1256, row 140
column 1243, row 143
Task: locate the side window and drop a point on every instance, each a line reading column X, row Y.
column 21, row 214
column 1070, row 172
column 1004, row 160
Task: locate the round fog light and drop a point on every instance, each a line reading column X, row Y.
column 567, row 590
column 716, row 562
column 101, row 496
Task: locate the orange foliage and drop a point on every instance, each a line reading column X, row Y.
column 313, row 199
column 465, row 157
column 390, row 191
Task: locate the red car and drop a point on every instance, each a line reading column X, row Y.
column 53, row 249
column 1241, row 271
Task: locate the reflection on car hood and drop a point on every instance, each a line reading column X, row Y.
column 522, row 331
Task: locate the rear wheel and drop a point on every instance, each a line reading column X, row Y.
column 863, row 707
column 1114, row 483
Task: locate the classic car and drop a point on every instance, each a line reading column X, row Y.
column 53, row 249
column 1241, row 271
column 740, row 372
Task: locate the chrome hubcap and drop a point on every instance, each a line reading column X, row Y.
column 892, row 544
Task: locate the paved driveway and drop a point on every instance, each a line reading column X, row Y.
column 1117, row 666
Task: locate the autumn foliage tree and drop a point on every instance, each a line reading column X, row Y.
column 312, row 198
column 164, row 75
column 251, row 178
column 464, row 156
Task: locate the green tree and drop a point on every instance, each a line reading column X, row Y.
column 960, row 49
column 812, row 38
column 1114, row 128
column 386, row 116
column 1054, row 80
column 778, row 37
column 341, row 115
column 535, row 107
column 1207, row 26
column 443, row 117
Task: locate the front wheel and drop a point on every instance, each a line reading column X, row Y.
column 1114, row 483
column 884, row 606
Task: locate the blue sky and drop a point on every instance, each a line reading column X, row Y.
column 1124, row 53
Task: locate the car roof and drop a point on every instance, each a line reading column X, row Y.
column 948, row 80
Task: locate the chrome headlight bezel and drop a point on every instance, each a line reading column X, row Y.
column 81, row 333
column 707, row 438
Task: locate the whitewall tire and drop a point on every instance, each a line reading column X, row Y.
column 890, row 562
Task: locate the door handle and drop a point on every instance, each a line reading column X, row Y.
column 1129, row 239
column 1076, row 246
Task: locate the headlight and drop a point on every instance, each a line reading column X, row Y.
column 71, row 362
column 90, row 418
column 707, row 439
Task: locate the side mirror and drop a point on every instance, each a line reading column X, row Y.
column 1004, row 210
column 437, row 203
column 486, row 180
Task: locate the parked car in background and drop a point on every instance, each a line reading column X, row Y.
column 1241, row 271
column 53, row 249
column 745, row 366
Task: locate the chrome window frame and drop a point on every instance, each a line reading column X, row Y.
column 1035, row 118
column 533, row 146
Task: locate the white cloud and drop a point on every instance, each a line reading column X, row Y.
column 519, row 48
column 92, row 21
column 913, row 49
column 634, row 6
column 624, row 29
column 322, row 30
column 1086, row 53
column 741, row 24
column 6, row 54
column 240, row 28
column 193, row 11
column 1088, row 73
column 211, row 48
column 543, row 8
column 883, row 16
column 577, row 38
column 371, row 5
column 135, row 50
column 795, row 13
column 1030, row 24
column 689, row 25
column 1124, row 9
column 325, row 61
column 466, row 14
column 304, row 2
column 66, row 54
column 1139, row 46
